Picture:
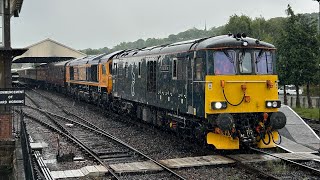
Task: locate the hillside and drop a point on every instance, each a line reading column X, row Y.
column 259, row 28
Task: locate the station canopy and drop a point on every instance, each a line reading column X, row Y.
column 47, row 51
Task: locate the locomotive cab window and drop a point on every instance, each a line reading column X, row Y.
column 139, row 68
column 245, row 62
column 224, row 62
column 110, row 68
column 94, row 73
column 174, row 68
column 126, row 70
column 104, row 69
column 199, row 69
column 263, row 62
column 152, row 76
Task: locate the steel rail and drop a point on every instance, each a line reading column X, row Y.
column 79, row 143
column 71, row 137
column 311, row 169
column 255, row 170
column 104, row 133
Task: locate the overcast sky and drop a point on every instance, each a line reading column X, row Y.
column 84, row 24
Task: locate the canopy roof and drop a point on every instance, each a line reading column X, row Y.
column 47, row 51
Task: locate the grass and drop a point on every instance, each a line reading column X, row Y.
column 277, row 167
column 308, row 113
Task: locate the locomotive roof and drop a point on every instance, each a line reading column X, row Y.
column 90, row 59
column 61, row 63
column 217, row 42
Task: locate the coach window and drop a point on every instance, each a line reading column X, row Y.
column 71, row 73
column 174, row 68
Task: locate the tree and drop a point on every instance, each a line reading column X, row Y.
column 238, row 24
column 297, row 51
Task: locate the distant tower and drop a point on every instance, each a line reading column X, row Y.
column 205, row 25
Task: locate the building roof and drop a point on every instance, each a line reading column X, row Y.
column 47, row 51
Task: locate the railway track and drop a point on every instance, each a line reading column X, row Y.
column 309, row 169
column 80, row 132
column 314, row 124
column 239, row 164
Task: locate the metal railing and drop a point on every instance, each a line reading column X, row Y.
column 26, row 151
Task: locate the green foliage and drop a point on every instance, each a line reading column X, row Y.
column 193, row 33
column 238, row 24
column 308, row 113
column 294, row 38
column 298, row 50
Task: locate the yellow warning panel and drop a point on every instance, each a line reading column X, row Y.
column 222, row 142
column 268, row 139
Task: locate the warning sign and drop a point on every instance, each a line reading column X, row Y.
column 12, row 97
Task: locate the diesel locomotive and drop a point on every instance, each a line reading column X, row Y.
column 221, row 90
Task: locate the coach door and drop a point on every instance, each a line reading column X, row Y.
column 190, row 83
column 151, row 81
column 103, row 77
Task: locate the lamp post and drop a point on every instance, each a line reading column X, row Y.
column 319, row 16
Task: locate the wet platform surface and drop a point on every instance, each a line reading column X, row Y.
column 297, row 136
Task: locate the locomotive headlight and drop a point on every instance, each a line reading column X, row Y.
column 269, row 104
column 273, row 104
column 245, row 43
column 218, row 105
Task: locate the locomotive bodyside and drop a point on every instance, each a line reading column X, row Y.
column 179, row 86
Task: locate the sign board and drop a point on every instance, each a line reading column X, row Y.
column 12, row 97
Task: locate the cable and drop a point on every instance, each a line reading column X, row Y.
column 279, row 137
column 268, row 138
column 231, row 103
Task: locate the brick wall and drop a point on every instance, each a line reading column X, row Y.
column 5, row 126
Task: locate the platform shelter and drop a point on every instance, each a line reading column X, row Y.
column 47, row 51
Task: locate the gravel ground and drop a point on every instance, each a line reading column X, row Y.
column 43, row 135
column 283, row 170
column 156, row 143
column 149, row 140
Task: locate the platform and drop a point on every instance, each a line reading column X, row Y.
column 297, row 135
